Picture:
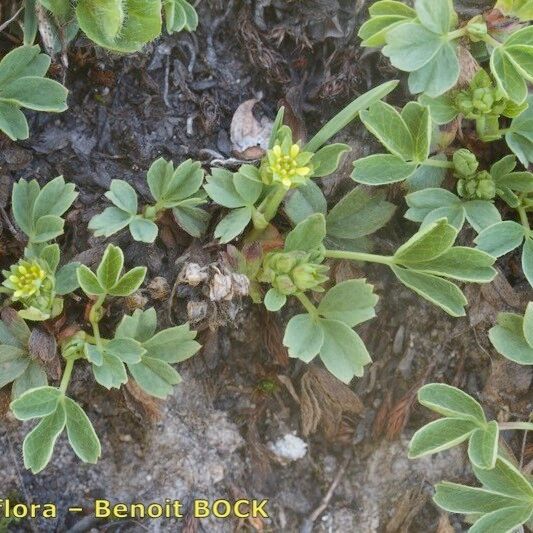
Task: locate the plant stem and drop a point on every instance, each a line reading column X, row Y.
column 271, row 203
column 507, row 426
column 437, row 163
column 360, row 256
column 457, row 34
column 308, row 304
column 491, row 41
column 523, row 217
column 94, row 318
column 67, row 373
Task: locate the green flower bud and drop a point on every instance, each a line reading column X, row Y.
column 292, row 272
column 476, row 29
column 465, row 162
column 478, row 187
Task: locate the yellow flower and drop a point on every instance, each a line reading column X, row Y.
column 288, row 165
column 25, row 279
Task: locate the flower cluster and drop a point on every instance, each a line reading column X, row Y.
column 481, row 98
column 31, row 283
column 293, row 272
column 287, row 165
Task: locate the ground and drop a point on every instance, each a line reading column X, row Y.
column 246, row 422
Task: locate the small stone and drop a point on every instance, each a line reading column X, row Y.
column 290, row 447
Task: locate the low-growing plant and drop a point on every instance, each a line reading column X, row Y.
column 118, row 25
column 505, row 500
column 23, row 85
column 135, row 351
column 176, row 189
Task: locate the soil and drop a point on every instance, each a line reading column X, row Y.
column 246, row 422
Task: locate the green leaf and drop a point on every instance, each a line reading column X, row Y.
column 191, row 219
column 123, row 195
column 67, row 279
column 481, row 214
column 36, row 403
column 505, row 479
column 439, row 75
column 422, row 203
column 435, row 15
column 110, row 266
column 456, row 498
column 173, row 345
column 141, row 326
column 509, row 340
column 127, row 350
column 39, row 443
column 248, row 184
column 427, row 244
column 120, row 25
column 129, row 282
column 483, row 446
column 47, row 228
column 13, row 122
column 15, row 64
column 391, row 130
column 460, row 263
column 452, row 402
column 411, row 46
column 81, row 434
column 507, row 519
column 303, row 337
column 327, row 159
column 94, row 354
column 50, row 255
column 221, row 189
column 32, row 378
column 233, row 224
column 501, row 238
column 519, row 137
column 528, row 324
column 343, row 352
column 111, row 220
column 308, row 235
column 23, row 199
column 155, row 376
column 358, row 214
column 351, row 302
column 304, row 202
column 13, row 363
column 17, row 330
column 143, row 230
column 440, row 435
column 441, row 108
column 274, row 300
column 418, row 121
column 382, row 169
column 54, row 198
column 527, row 259
column 37, row 93
column 439, row 292
column 111, row 373
column 348, row 114
column 88, row 281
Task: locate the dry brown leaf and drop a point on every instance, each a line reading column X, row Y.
column 249, row 136
column 324, row 399
column 142, row 405
column 42, row 347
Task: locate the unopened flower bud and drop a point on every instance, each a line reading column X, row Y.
column 465, row 162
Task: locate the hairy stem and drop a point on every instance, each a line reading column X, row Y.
column 507, row 426
column 308, row 304
column 457, row 34
column 491, row 41
column 360, row 256
column 67, row 373
column 94, row 318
